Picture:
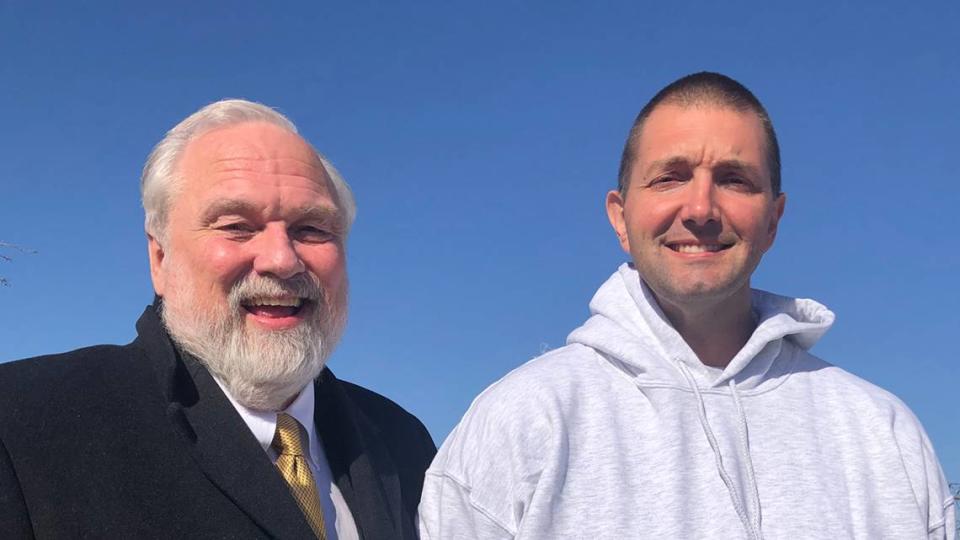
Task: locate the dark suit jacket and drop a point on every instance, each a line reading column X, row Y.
column 139, row 441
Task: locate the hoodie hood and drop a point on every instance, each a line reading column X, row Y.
column 627, row 326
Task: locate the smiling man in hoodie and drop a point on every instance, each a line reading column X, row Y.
column 687, row 405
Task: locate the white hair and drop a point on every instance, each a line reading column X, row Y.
column 160, row 182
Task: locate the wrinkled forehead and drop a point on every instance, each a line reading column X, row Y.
column 256, row 147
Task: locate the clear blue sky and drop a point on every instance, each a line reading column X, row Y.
column 480, row 139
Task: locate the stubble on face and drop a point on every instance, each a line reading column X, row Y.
column 698, row 213
column 262, row 369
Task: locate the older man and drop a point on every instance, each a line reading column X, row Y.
column 220, row 419
column 687, row 406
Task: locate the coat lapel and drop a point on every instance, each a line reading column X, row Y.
column 361, row 467
column 217, row 438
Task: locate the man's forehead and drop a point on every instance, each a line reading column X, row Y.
column 704, row 132
column 679, row 118
column 254, row 146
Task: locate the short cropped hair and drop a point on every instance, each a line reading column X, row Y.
column 704, row 88
column 161, row 181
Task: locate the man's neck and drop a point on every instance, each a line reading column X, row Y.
column 717, row 331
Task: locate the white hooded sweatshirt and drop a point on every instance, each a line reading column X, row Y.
column 623, row 433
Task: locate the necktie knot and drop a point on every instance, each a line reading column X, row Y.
column 288, row 439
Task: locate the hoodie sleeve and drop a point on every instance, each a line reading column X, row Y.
column 931, row 489
column 447, row 511
column 943, row 519
column 948, row 529
column 485, row 479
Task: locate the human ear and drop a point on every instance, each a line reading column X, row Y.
column 157, row 271
column 615, row 202
column 779, row 204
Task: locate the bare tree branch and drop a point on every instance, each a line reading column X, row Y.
column 6, row 258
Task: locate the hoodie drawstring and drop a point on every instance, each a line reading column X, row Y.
column 748, row 457
column 752, row 528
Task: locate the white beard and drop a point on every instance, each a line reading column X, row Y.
column 262, row 369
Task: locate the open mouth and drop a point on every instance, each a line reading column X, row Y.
column 275, row 307
column 698, row 248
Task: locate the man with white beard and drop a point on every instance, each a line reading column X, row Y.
column 220, row 419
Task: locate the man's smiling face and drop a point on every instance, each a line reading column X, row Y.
column 252, row 270
column 254, row 201
column 699, row 211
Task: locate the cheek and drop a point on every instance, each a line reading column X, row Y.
column 754, row 224
column 225, row 263
column 326, row 261
column 649, row 220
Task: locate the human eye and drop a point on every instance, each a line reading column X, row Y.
column 735, row 180
column 665, row 181
column 314, row 234
column 738, row 182
column 237, row 230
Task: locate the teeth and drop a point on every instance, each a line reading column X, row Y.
column 285, row 302
column 697, row 248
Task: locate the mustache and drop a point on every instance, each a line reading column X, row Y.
column 257, row 286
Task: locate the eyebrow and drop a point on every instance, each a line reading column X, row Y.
column 667, row 163
column 679, row 161
column 738, row 165
column 222, row 207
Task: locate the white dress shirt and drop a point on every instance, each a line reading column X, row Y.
column 336, row 513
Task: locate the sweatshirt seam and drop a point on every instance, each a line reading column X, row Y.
column 473, row 502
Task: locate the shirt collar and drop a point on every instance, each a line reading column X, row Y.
column 263, row 424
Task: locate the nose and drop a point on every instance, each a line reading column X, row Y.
column 276, row 254
column 700, row 205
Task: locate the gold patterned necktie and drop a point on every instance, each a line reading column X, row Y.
column 292, row 463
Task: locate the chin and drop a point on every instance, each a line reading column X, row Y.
column 264, row 369
column 261, row 369
column 697, row 292
column 274, row 394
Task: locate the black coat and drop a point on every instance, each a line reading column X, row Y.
column 139, row 441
